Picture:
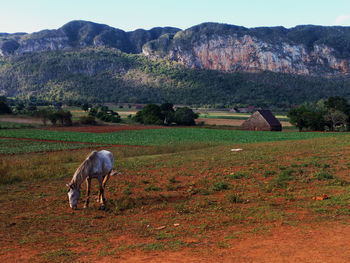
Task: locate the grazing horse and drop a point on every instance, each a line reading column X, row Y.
column 96, row 165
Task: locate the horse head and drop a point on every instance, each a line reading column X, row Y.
column 73, row 196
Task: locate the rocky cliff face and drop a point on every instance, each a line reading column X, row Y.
column 230, row 49
column 79, row 34
column 304, row 50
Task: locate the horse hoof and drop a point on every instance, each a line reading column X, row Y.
column 102, row 207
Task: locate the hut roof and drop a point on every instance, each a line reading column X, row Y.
column 268, row 116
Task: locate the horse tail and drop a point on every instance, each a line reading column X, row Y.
column 113, row 172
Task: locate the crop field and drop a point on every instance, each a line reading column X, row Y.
column 182, row 195
column 13, row 146
column 155, row 137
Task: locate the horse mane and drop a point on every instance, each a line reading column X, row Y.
column 83, row 170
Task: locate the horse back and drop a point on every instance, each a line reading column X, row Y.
column 105, row 162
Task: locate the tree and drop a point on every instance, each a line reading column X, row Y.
column 90, row 120
column 335, row 119
column 338, row 103
column 85, row 107
column 336, row 106
column 151, row 114
column 307, row 116
column 185, row 116
column 4, row 108
column 93, row 112
column 64, row 117
column 43, row 114
column 31, row 107
column 167, row 110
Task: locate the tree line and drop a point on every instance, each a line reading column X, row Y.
column 165, row 114
column 332, row 114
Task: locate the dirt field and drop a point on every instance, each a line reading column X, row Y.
column 284, row 244
column 184, row 204
column 21, row 120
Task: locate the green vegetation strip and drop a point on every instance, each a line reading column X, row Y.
column 13, row 146
column 165, row 136
column 233, row 117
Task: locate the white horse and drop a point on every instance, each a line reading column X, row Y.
column 96, row 165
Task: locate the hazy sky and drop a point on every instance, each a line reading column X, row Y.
column 35, row 15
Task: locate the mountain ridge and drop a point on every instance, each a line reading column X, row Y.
column 79, row 34
column 209, row 63
column 304, row 49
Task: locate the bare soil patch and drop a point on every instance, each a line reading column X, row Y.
column 222, row 122
column 315, row 243
column 21, row 120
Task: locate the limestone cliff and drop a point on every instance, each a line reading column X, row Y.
column 307, row 50
column 304, row 50
column 79, row 34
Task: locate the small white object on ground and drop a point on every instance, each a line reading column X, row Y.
column 236, row 150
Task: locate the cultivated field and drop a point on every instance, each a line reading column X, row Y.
column 183, row 195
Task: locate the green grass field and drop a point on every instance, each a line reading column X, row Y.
column 165, row 136
column 13, row 125
column 14, row 146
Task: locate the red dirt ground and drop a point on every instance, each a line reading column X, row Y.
column 105, row 128
column 327, row 243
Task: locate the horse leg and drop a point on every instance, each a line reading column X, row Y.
column 105, row 180
column 88, row 187
column 101, row 195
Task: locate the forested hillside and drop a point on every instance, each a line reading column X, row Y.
column 109, row 75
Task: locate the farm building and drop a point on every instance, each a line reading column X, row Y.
column 262, row 120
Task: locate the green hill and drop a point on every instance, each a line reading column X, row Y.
column 108, row 75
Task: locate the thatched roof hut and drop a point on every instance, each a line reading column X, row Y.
column 262, row 120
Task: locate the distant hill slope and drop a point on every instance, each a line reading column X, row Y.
column 108, row 75
column 80, row 34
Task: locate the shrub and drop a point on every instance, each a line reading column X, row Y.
column 324, row 176
column 90, row 120
column 124, row 203
column 218, row 186
column 151, row 114
column 239, row 175
column 64, row 117
column 4, row 108
column 281, row 180
column 185, row 116
column 152, row 187
column 105, row 114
